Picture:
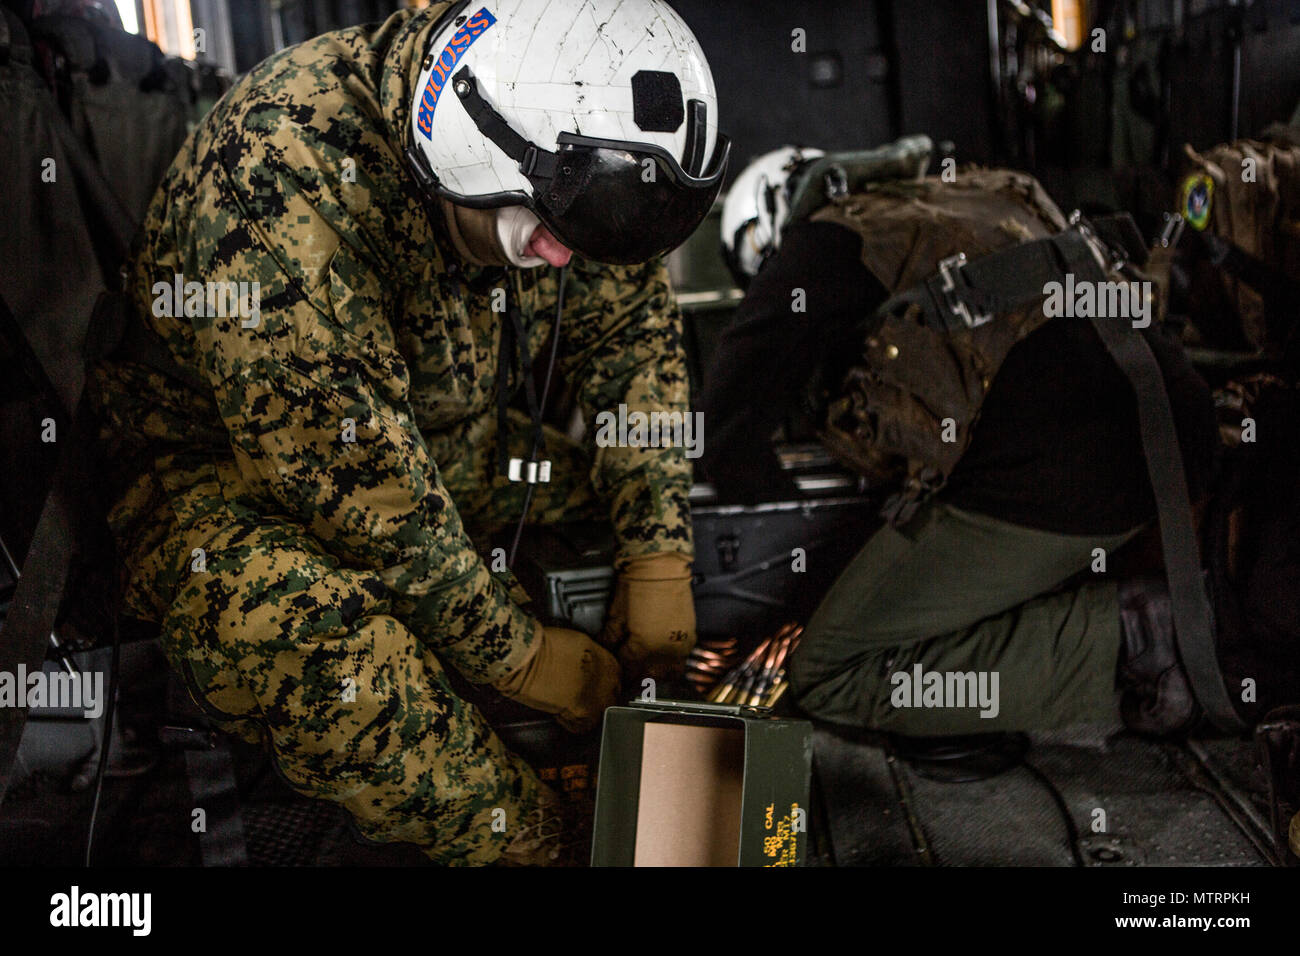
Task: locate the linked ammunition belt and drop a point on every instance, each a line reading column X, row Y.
column 757, row 681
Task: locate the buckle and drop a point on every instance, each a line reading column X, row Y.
column 1108, row 257
column 948, row 269
column 538, row 163
column 530, row 472
column 1173, row 230
column 184, row 737
column 837, row 183
column 529, row 162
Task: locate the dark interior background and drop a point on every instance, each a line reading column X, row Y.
column 1099, row 129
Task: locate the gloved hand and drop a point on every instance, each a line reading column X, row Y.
column 568, row 675
column 651, row 618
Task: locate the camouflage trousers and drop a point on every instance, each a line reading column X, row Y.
column 277, row 639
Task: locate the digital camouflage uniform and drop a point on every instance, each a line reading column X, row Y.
column 337, row 579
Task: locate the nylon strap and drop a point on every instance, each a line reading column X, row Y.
column 532, row 159
column 994, row 284
column 1193, row 617
column 210, row 775
column 1194, row 626
column 43, row 575
column 25, row 634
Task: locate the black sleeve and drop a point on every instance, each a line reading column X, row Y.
column 769, row 351
column 1058, row 445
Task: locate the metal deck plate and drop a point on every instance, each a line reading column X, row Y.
column 1194, row 803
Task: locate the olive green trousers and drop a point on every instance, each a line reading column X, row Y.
column 958, row 623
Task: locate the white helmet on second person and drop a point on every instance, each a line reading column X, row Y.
column 600, row 116
column 757, row 207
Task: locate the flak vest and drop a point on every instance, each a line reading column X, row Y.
column 967, row 265
column 905, row 411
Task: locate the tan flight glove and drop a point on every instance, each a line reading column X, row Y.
column 568, row 675
column 651, row 619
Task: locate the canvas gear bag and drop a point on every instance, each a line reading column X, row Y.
column 1247, row 195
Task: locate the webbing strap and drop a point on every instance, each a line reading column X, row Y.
column 43, row 578
column 1277, row 288
column 532, row 159
column 211, row 778
column 967, row 293
column 1194, row 625
column 25, row 635
column 1193, row 617
column 526, row 366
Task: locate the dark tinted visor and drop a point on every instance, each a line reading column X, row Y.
column 624, row 203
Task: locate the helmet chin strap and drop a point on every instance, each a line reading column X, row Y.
column 533, row 160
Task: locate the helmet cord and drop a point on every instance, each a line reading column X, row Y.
column 541, row 412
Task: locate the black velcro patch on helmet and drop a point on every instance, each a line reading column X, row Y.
column 657, row 101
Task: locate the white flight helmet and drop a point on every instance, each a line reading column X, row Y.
column 600, row 116
column 757, row 207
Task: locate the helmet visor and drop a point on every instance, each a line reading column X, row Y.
column 624, row 203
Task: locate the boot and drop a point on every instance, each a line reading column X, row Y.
column 1157, row 699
